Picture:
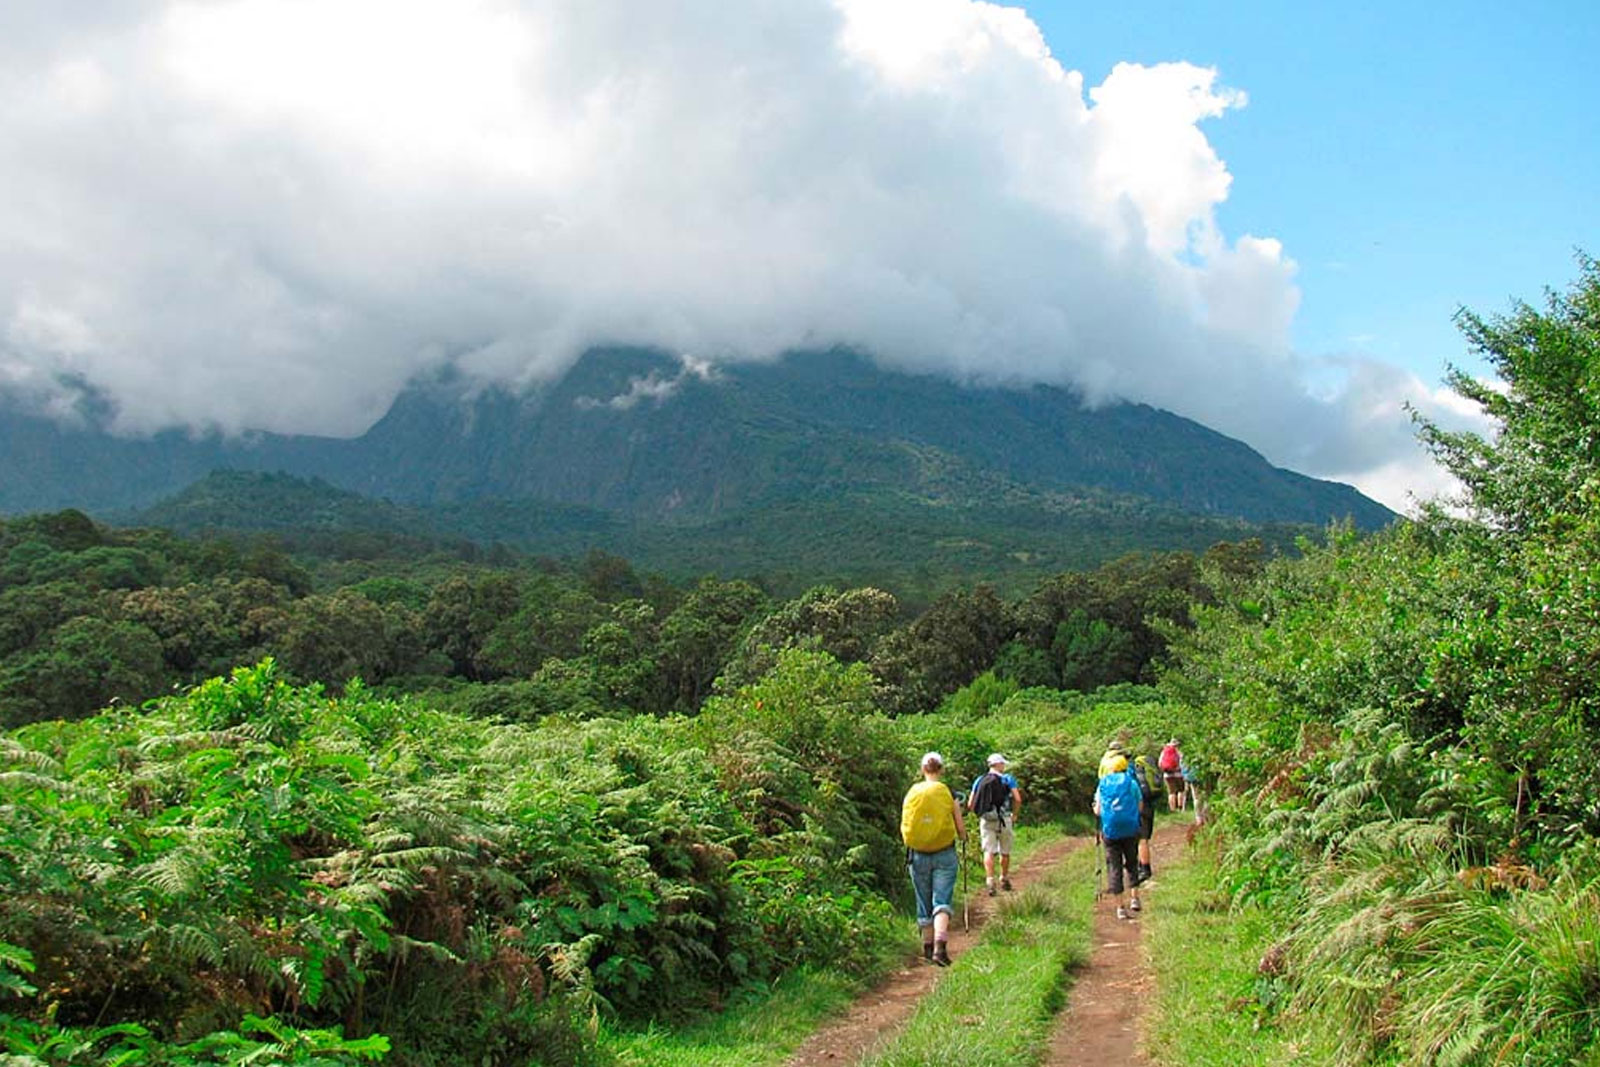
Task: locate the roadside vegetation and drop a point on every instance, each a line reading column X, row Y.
column 1219, row 996
column 1404, row 731
column 758, row 1030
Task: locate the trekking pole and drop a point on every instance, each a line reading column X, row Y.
column 966, row 898
column 1099, row 866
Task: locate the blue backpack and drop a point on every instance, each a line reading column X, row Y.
column 1119, row 806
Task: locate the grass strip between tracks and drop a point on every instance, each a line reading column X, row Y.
column 996, row 1006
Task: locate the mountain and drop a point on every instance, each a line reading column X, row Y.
column 638, row 433
column 636, row 447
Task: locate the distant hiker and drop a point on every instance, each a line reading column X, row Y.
column 1171, row 763
column 997, row 802
column 1191, row 784
column 1116, row 802
column 930, row 822
column 1145, row 774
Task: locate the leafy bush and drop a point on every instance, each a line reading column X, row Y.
column 851, row 764
column 1408, row 724
column 1417, row 954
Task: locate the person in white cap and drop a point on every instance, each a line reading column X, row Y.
column 997, row 801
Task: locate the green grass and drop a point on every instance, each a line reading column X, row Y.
column 996, row 1005
column 1212, row 1006
column 758, row 1031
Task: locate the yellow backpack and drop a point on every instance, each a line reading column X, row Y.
column 927, row 819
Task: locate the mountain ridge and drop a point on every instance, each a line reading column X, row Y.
column 643, row 434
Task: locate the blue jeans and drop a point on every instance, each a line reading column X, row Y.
column 933, row 879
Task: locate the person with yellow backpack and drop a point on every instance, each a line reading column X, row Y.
column 930, row 823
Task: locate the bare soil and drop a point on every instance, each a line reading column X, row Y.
column 1104, row 1020
column 888, row 1005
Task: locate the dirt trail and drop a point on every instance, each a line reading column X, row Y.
column 1104, row 1015
column 890, row 1003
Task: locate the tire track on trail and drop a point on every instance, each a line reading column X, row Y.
column 886, row 1006
column 1104, row 1020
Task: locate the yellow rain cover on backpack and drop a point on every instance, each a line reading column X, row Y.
column 927, row 820
column 1113, row 763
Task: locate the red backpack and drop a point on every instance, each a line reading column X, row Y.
column 1169, row 758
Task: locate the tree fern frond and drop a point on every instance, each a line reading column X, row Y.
column 368, row 891
column 412, row 859
column 177, row 744
column 178, row 872
column 13, row 752
column 190, row 944
column 20, row 781
column 406, row 947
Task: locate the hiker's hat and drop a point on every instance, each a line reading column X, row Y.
column 995, row 759
column 1116, row 746
column 933, row 760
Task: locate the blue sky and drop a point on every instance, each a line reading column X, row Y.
column 1414, row 158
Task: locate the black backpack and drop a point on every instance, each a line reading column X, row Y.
column 992, row 795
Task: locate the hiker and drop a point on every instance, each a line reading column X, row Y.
column 1145, row 775
column 1171, row 763
column 930, row 822
column 996, row 800
column 1116, row 751
column 1191, row 782
column 1116, row 802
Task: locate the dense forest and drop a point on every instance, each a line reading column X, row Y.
column 268, row 806
column 94, row 615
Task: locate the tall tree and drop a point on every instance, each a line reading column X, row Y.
column 1543, row 464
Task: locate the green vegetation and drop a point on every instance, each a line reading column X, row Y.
column 456, row 886
column 91, row 615
column 348, row 874
column 920, row 546
column 759, row 1030
column 1221, row 998
column 1408, row 724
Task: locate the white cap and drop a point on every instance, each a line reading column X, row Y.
column 932, row 759
column 996, row 758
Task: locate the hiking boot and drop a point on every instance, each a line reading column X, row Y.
column 1122, row 913
column 1145, row 873
column 1134, row 905
column 1005, row 883
column 991, row 889
column 927, row 951
column 941, row 954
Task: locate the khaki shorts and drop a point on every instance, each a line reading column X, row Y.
column 994, row 837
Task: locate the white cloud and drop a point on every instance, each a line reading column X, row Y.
column 653, row 386
column 273, row 213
